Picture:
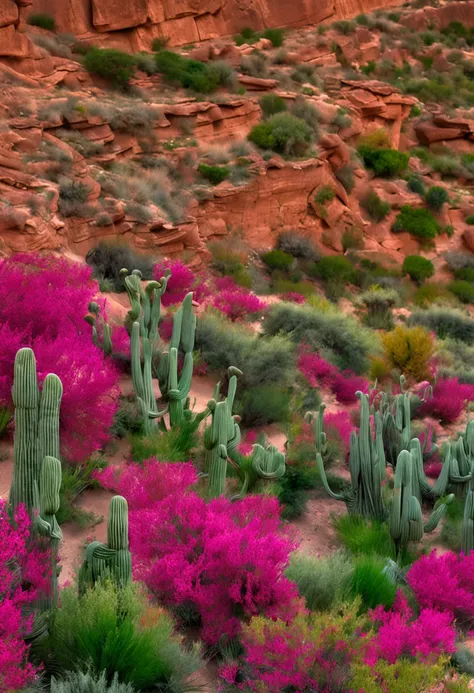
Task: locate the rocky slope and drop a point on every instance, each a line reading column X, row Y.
column 80, row 161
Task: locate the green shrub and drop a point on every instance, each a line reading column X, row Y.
column 345, row 26
column 320, row 580
column 430, row 293
column 159, row 43
column 415, row 184
column 73, row 198
column 352, row 239
column 263, row 405
column 362, row 537
column 43, row 20
column 298, row 246
column 278, row 260
column 375, row 206
column 191, row 74
column 345, row 175
column 247, row 35
column 384, row 162
column 303, row 109
column 276, row 36
column 339, row 337
column 267, row 360
column 324, row 195
column 466, row 273
column 108, row 258
column 445, row 323
column 436, row 197
column 271, row 104
column 214, row 174
column 459, row 260
column 179, row 444
column 283, row 133
column 463, row 290
column 334, row 268
column 111, row 64
column 418, row 268
column 379, row 303
column 117, row 631
column 419, row 222
column 80, row 682
column 371, row 584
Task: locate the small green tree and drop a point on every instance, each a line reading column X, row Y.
column 284, row 133
column 418, row 268
column 111, row 64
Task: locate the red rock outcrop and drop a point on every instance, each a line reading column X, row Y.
column 135, row 23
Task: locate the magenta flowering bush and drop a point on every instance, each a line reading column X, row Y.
column 90, row 392
column 346, row 384
column 23, row 574
column 400, row 634
column 293, row 297
column 446, row 583
column 338, row 427
column 181, row 281
column 45, row 295
column 225, row 559
column 448, row 400
column 315, row 369
column 237, row 304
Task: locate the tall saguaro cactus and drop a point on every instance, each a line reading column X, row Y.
column 37, row 469
column 111, row 560
column 366, row 465
column 36, row 428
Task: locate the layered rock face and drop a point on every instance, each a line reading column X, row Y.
column 134, row 24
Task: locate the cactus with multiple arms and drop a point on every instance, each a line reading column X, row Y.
column 222, row 437
column 104, row 339
column 406, row 521
column 113, row 560
column 367, row 468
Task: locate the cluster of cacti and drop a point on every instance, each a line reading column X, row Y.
column 112, row 560
column 366, row 465
column 101, row 332
column 396, row 423
column 149, row 360
column 37, row 470
column 406, row 520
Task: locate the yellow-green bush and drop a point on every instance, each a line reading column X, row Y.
column 409, row 349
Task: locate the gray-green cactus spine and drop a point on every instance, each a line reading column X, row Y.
column 367, row 468
column 222, row 437
column 112, row 560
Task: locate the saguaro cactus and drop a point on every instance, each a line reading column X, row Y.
column 406, row 520
column 36, row 428
column 113, row 559
column 37, row 469
column 222, row 437
column 46, row 523
column 467, row 535
column 367, row 468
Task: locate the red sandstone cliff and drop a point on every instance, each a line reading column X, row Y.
column 135, row 23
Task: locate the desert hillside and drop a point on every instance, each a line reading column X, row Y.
column 236, row 346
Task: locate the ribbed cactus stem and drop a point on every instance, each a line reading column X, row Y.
column 48, row 421
column 467, row 534
column 26, row 397
column 46, row 524
column 117, row 526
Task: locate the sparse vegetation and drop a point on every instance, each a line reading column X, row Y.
column 43, row 20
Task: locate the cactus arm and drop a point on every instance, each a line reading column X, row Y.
column 324, row 479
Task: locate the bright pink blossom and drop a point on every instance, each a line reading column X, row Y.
column 238, row 304
column 448, row 401
column 316, row 370
column 346, row 384
column 181, row 281
column 226, row 559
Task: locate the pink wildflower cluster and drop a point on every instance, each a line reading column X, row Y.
column 446, row 583
column 401, row 635
column 23, row 573
column 293, row 297
column 226, row 559
column 237, row 304
column 448, row 401
column 45, row 311
column 320, row 373
column 181, row 281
